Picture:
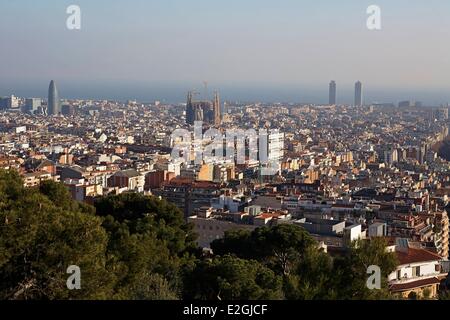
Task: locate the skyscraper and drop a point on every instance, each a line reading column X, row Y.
column 358, row 94
column 32, row 105
column 10, row 102
column 54, row 105
column 332, row 95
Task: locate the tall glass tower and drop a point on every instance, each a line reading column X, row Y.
column 332, row 93
column 54, row 105
column 358, row 94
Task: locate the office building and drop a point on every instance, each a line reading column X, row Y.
column 32, row 105
column 391, row 156
column 68, row 110
column 10, row 102
column 54, row 105
column 358, row 94
column 332, row 93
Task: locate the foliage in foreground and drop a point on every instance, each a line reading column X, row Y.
column 136, row 247
column 136, row 252
column 306, row 272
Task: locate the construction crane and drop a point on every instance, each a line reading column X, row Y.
column 205, row 85
column 194, row 93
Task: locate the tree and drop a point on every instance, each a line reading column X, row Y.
column 137, row 247
column 142, row 213
column 148, row 239
column 43, row 232
column 153, row 286
column 232, row 278
column 279, row 247
column 137, row 257
column 312, row 277
column 237, row 242
column 444, row 295
column 351, row 270
column 60, row 196
column 39, row 241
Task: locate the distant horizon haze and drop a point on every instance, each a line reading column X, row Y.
column 255, row 50
column 246, row 92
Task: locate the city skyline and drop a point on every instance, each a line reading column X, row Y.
column 345, row 95
column 252, row 50
column 214, row 153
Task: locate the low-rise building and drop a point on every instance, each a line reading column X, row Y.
column 419, row 273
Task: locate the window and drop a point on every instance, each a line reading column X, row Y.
column 437, row 268
column 416, row 271
column 399, row 274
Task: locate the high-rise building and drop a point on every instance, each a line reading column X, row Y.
column 54, row 105
column 358, row 94
column 270, row 152
column 421, row 153
column 391, row 156
column 68, row 110
column 32, row 105
column 275, row 146
column 10, row 102
column 332, row 93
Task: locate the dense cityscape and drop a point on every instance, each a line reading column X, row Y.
column 347, row 175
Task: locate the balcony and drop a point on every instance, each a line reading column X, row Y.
column 440, row 275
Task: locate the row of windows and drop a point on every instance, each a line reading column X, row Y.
column 211, row 228
column 415, row 272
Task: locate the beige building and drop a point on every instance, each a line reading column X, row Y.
column 211, row 228
column 34, row 179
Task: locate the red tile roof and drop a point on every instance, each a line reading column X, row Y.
column 265, row 216
column 416, row 255
column 415, row 284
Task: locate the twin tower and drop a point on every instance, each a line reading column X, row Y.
column 358, row 93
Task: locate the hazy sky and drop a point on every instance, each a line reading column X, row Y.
column 250, row 49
